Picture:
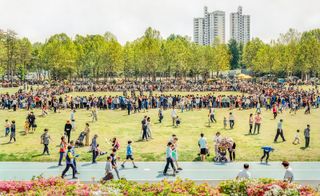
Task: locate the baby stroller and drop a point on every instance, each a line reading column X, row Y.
column 79, row 142
column 221, row 155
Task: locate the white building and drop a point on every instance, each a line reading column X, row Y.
column 209, row 28
column 240, row 26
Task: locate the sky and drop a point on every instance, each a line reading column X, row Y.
column 128, row 19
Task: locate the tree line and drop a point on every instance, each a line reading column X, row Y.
column 102, row 56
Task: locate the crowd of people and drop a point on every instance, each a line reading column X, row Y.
column 273, row 97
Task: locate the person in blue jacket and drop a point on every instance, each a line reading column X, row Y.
column 266, row 152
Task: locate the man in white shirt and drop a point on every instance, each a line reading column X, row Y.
column 173, row 116
column 244, row 174
column 203, row 147
column 288, row 175
column 279, row 132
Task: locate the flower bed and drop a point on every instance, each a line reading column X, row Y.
column 264, row 187
column 58, row 186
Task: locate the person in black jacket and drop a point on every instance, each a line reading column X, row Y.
column 67, row 130
column 232, row 152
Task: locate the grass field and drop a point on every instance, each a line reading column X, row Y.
column 119, row 124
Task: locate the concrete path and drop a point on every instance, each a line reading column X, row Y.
column 305, row 172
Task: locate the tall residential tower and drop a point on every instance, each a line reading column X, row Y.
column 240, row 26
column 209, row 28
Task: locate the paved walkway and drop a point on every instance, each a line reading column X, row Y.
column 305, row 172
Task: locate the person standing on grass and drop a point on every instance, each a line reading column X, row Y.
column 169, row 160
column 279, row 132
column 32, row 118
column 250, row 123
column 94, row 114
column 7, row 127
column 144, row 128
column 266, row 153
column 160, row 114
column 257, row 123
column 63, row 147
column 129, row 155
column 69, row 163
column 13, row 131
column 173, row 116
column 94, row 148
column 149, row 133
column 73, row 120
column 288, row 176
column 202, row 143
column 45, row 137
column 274, row 111
column 244, row 174
column 307, row 136
column 87, row 131
column 211, row 115
column 67, row 130
column 231, row 120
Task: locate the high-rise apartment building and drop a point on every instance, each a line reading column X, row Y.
column 209, row 28
column 240, row 26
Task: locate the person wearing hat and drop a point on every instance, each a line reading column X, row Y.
column 67, row 130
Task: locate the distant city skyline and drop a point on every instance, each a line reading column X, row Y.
column 39, row 19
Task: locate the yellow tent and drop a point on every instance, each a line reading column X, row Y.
column 244, row 77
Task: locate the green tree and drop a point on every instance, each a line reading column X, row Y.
column 250, row 52
column 234, row 51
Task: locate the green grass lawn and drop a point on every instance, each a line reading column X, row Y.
column 119, row 124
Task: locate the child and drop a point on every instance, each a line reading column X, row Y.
column 178, row 121
column 129, row 155
column 26, row 127
column 224, row 122
column 296, row 138
column 7, row 127
column 13, row 131
column 266, row 152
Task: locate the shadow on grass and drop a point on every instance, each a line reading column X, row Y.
column 37, row 155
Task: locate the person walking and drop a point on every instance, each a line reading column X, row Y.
column 149, row 133
column 45, row 137
column 94, row 148
column 307, row 136
column 257, row 123
column 250, row 123
column 108, row 169
column 266, row 153
column 69, row 163
column 94, row 114
column 279, row 132
column 74, row 155
column 288, row 175
column 175, row 153
column 169, row 160
column 67, row 130
column 114, row 162
column 244, row 174
column 129, row 155
column 13, row 131
column 63, row 148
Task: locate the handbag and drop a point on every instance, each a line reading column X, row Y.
column 109, row 176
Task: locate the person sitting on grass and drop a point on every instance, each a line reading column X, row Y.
column 129, row 155
column 296, row 138
column 266, row 153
